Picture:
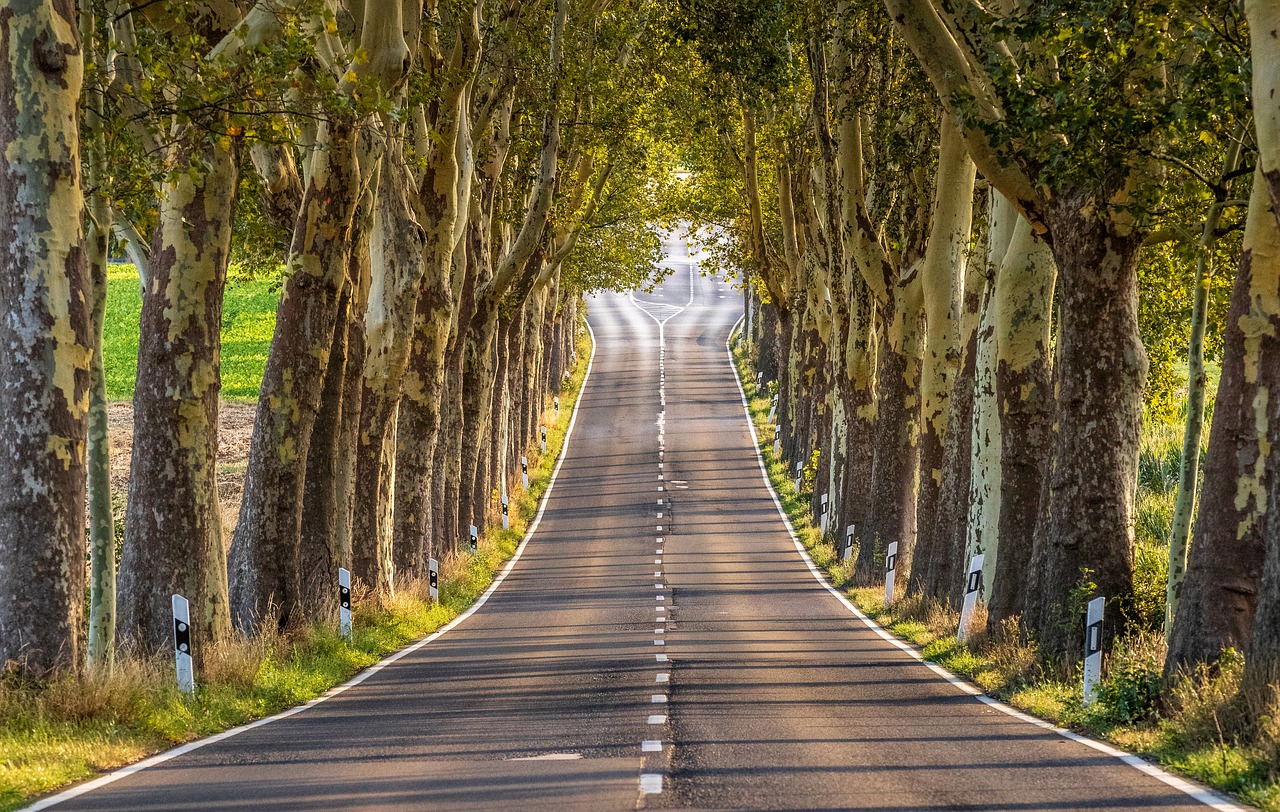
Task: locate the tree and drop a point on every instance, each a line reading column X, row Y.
column 45, row 334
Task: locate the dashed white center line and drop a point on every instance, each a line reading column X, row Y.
column 662, row 597
column 659, row 642
column 663, row 677
column 659, row 573
column 659, row 699
column 651, row 747
column 658, row 719
column 659, row 631
column 662, row 658
column 651, row 783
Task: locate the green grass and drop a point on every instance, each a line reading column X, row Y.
column 248, row 321
column 1202, row 728
column 71, row 729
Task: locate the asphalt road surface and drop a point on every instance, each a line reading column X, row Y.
column 660, row 643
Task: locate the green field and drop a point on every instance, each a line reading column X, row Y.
column 248, row 320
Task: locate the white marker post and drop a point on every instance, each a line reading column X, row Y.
column 556, row 402
column 822, row 517
column 506, row 518
column 182, row 645
column 475, row 539
column 773, row 409
column 972, row 586
column 433, row 578
column 344, row 602
column 777, row 443
column 544, row 439
column 566, row 372
column 799, row 475
column 848, row 543
column 524, row 471
column 890, row 567
column 1093, row 649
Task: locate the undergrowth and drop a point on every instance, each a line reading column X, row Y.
column 1202, row 726
column 69, row 729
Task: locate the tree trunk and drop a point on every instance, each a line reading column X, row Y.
column 941, row 281
column 102, row 533
column 1197, row 381
column 45, row 336
column 1228, row 550
column 173, row 539
column 1085, row 532
column 265, row 562
column 891, row 518
column 951, row 524
column 1024, row 396
column 397, row 266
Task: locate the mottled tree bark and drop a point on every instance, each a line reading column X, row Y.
column 1024, row 397
column 173, row 539
column 266, row 587
column 1086, row 519
column 892, row 517
column 941, row 282
column 45, row 343
column 1228, row 551
column 397, row 265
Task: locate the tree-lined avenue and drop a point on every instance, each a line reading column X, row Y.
column 776, row 695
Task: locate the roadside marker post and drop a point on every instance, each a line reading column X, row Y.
column 777, row 443
column 524, row 471
column 1093, row 649
column 773, row 409
column 848, row 543
column 344, row 602
column 972, row 586
column 433, row 578
column 475, row 539
column 182, row 645
column 506, row 518
column 822, row 516
column 799, row 475
column 890, row 567
column 544, row 439
column 556, row 402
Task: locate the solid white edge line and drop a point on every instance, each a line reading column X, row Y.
column 1204, row 795
column 160, row 758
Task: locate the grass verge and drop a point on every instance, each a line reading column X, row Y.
column 1203, row 728
column 74, row 728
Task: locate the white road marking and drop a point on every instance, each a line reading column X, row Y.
column 659, row 573
column 1204, row 795
column 658, row 719
column 659, row 539
column 659, row 631
column 662, row 618
column 659, row 699
column 662, row 597
column 651, row 783
column 662, row 658
column 651, row 747
column 549, row 757
column 659, row 501
column 659, row 642
column 659, row 514
column 663, row 677
column 657, row 586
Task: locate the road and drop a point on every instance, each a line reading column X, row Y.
column 660, row 643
